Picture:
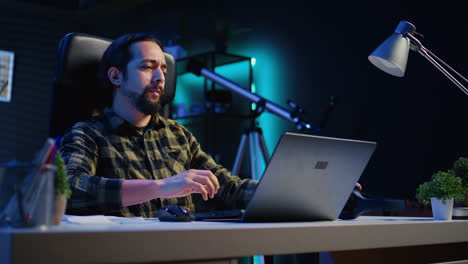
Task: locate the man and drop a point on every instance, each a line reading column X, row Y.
column 130, row 161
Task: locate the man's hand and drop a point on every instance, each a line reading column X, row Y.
column 358, row 187
column 188, row 182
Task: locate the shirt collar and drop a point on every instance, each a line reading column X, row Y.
column 120, row 125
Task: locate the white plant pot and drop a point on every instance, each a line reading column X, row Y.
column 442, row 209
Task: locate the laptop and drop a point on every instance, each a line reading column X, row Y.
column 309, row 178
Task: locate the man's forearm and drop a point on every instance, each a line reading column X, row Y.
column 180, row 185
column 138, row 191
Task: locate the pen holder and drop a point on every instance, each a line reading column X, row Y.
column 26, row 194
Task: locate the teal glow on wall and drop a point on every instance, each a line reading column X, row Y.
column 237, row 72
column 185, row 83
column 189, row 90
column 270, row 83
column 190, row 86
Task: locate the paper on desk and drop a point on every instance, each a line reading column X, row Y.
column 100, row 219
column 88, row 220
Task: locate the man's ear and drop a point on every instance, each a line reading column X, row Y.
column 115, row 76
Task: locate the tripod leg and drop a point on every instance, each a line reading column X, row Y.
column 239, row 155
column 254, row 160
column 258, row 151
column 263, row 148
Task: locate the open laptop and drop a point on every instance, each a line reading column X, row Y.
column 309, row 178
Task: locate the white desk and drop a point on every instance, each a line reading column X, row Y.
column 162, row 242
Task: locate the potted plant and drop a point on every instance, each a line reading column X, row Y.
column 62, row 189
column 460, row 169
column 440, row 192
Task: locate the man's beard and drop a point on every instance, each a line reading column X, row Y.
column 147, row 106
column 144, row 104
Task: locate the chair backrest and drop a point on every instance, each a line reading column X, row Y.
column 75, row 95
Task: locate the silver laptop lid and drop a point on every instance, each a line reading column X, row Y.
column 308, row 178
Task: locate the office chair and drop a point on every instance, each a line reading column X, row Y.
column 75, row 92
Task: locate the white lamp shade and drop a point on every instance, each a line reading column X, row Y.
column 392, row 55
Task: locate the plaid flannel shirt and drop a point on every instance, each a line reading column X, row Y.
column 101, row 152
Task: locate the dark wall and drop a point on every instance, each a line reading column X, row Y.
column 32, row 33
column 418, row 121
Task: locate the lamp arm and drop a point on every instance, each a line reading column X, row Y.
column 425, row 54
column 446, row 65
column 417, row 46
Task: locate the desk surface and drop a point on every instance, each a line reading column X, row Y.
column 163, row 241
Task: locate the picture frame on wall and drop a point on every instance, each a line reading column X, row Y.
column 6, row 75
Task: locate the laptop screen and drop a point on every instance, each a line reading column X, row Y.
column 309, row 178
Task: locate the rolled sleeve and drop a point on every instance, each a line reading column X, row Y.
column 90, row 194
column 95, row 195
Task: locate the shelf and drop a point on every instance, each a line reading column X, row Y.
column 210, row 60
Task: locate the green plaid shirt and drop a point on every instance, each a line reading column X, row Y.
column 101, row 152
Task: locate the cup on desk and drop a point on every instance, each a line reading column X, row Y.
column 26, row 194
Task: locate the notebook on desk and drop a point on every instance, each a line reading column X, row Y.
column 309, row 178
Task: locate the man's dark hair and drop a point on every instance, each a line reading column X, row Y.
column 118, row 55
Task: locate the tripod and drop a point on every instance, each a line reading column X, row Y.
column 257, row 148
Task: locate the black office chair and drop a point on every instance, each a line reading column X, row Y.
column 75, row 95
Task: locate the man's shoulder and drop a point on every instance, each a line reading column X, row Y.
column 95, row 123
column 173, row 124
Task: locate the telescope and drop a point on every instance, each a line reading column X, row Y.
column 254, row 134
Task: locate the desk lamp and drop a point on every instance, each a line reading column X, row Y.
column 392, row 55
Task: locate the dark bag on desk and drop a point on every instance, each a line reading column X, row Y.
column 358, row 204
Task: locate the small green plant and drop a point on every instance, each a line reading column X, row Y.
column 61, row 180
column 460, row 169
column 443, row 185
